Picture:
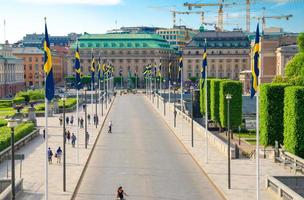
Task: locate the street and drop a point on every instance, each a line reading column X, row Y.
column 144, row 157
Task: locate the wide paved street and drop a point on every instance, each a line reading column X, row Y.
column 143, row 156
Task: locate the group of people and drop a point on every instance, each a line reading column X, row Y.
column 68, row 120
column 70, row 137
column 57, row 155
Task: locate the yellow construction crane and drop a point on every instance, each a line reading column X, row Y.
column 220, row 19
column 263, row 18
column 186, row 13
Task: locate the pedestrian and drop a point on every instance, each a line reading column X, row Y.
column 87, row 137
column 58, row 155
column 97, row 120
column 60, row 120
column 72, row 120
column 81, row 122
column 73, row 140
column 89, row 117
column 43, row 132
column 78, row 121
column 110, row 127
column 50, row 155
column 94, row 119
column 67, row 120
column 120, row 193
column 68, row 136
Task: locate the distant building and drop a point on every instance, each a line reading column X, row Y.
column 228, row 54
column 33, row 62
column 135, row 29
column 177, row 36
column 11, row 72
column 284, row 54
column 126, row 52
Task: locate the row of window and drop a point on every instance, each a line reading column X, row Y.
column 221, row 52
column 121, row 52
column 214, row 74
column 219, row 60
column 30, row 59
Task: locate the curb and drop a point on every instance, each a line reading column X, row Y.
column 90, row 154
column 222, row 194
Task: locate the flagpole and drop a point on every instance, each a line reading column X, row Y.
column 206, row 109
column 46, row 149
column 182, row 110
column 77, row 129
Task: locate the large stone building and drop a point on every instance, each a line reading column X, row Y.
column 11, row 72
column 228, row 54
column 33, row 62
column 284, row 55
column 177, row 36
column 128, row 52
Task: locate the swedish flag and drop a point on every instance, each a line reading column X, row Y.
column 255, row 66
column 180, row 68
column 159, row 69
column 48, row 69
column 77, row 68
column 99, row 69
column 155, row 70
column 170, row 66
column 204, row 65
column 93, row 70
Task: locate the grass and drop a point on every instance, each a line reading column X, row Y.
column 246, row 135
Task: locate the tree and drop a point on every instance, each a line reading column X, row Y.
column 301, row 42
column 295, row 67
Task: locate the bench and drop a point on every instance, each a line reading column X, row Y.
column 294, row 162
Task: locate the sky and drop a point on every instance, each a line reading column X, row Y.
column 98, row 16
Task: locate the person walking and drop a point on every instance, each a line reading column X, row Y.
column 43, row 132
column 58, row 155
column 73, row 140
column 120, row 193
column 97, row 120
column 110, row 127
column 87, row 137
column 60, row 120
column 50, row 155
column 72, row 120
column 68, row 136
column 67, row 120
column 89, row 118
column 81, row 122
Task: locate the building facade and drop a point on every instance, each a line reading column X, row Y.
column 11, row 72
column 177, row 36
column 126, row 52
column 228, row 54
column 284, row 55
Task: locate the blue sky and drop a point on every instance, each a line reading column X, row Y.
column 98, row 16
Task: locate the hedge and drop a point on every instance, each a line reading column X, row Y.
column 31, row 95
column 5, row 103
column 20, row 131
column 69, row 103
column 19, row 100
column 294, row 120
column 3, row 122
column 235, row 89
column 202, row 98
column 271, row 113
column 215, row 99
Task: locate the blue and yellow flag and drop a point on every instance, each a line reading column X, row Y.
column 93, row 69
column 49, row 79
column 169, row 68
column 155, row 70
column 255, row 65
column 204, row 66
column 99, row 69
column 147, row 70
column 159, row 69
column 77, row 69
column 180, row 68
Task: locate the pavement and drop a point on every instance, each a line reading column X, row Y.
column 243, row 171
column 142, row 155
column 33, row 167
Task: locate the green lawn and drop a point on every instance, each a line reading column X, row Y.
column 246, row 135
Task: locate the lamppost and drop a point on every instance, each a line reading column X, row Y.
column 85, row 118
column 12, row 124
column 174, row 90
column 228, row 97
column 192, row 89
column 64, row 142
column 96, row 108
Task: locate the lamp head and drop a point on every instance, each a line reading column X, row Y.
column 228, row 96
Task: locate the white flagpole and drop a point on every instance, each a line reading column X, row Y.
column 92, row 115
column 182, row 110
column 46, row 149
column 206, row 109
column 99, row 100
column 77, row 127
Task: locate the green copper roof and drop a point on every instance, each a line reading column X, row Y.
column 122, row 40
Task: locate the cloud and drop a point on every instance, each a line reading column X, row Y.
column 87, row 2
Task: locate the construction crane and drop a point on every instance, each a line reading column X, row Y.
column 220, row 18
column 186, row 13
column 263, row 18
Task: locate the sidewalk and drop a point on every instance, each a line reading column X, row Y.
column 243, row 171
column 33, row 167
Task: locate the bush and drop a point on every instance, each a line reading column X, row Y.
column 271, row 113
column 5, row 103
column 40, row 107
column 293, row 120
column 235, row 89
column 69, row 103
column 19, row 100
column 215, row 99
column 202, row 97
column 3, row 122
column 36, row 95
column 20, row 131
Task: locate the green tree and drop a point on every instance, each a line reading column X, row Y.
column 295, row 67
column 301, row 42
column 215, row 99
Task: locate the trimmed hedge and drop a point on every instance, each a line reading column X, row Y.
column 235, row 89
column 3, row 122
column 294, row 120
column 202, row 98
column 5, row 103
column 69, row 103
column 215, row 99
column 20, row 131
column 19, row 100
column 271, row 113
column 31, row 95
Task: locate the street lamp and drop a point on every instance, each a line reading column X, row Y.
column 174, row 90
column 12, row 123
column 96, row 108
column 64, row 142
column 228, row 97
column 85, row 117
column 192, row 89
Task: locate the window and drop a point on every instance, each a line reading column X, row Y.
column 36, row 59
column 36, row 67
column 30, row 59
column 189, row 74
column 30, row 67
